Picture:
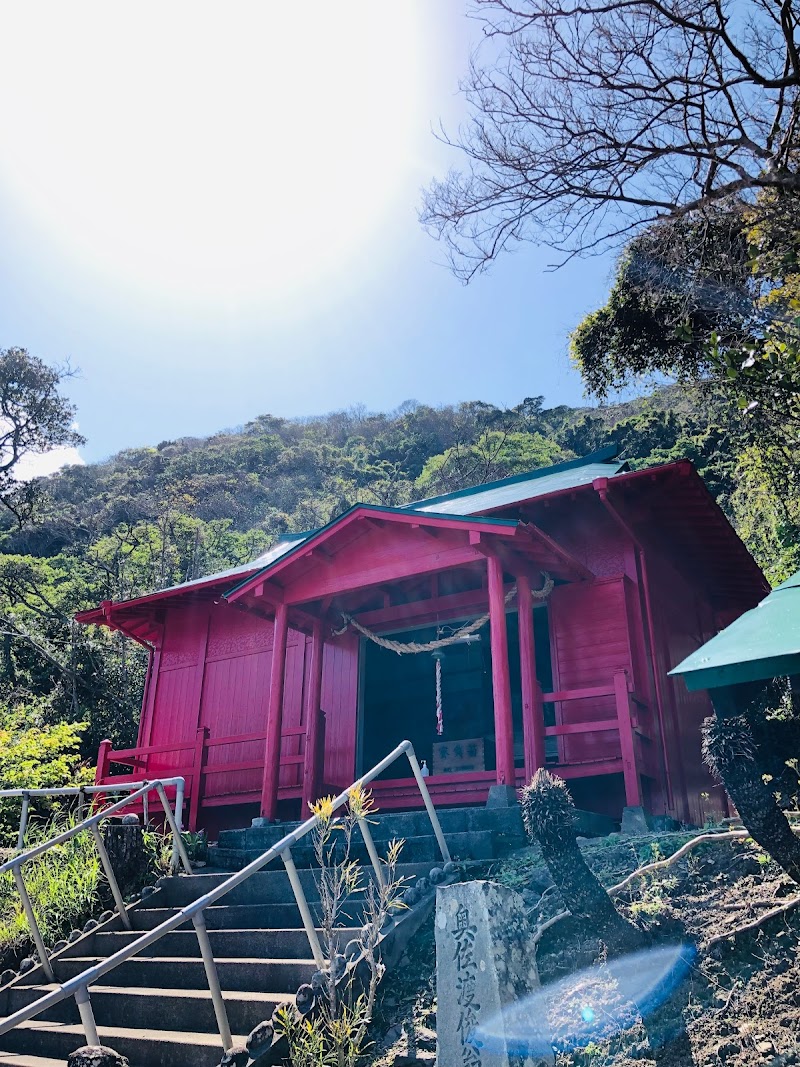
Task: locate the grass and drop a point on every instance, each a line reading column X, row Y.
column 65, row 885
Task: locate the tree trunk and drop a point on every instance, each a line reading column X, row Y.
column 730, row 752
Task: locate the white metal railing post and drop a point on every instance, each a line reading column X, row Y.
column 112, row 878
column 146, row 810
column 437, row 828
column 79, row 985
column 177, row 840
column 87, row 1016
column 23, row 821
column 36, row 933
column 179, row 798
column 305, row 911
column 366, row 833
column 212, row 977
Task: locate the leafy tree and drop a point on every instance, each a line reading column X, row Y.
column 495, row 454
column 34, row 417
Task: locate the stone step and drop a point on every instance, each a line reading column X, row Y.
column 230, row 944
column 406, row 825
column 185, row 1009
column 187, row 972
column 21, row 1059
column 470, row 845
column 143, row 1047
column 265, row 887
column 241, row 917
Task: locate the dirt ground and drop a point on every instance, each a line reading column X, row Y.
column 740, row 1001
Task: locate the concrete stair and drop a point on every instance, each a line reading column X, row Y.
column 156, row 1008
column 471, row 834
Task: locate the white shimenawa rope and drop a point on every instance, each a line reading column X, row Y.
column 439, row 708
column 405, row 647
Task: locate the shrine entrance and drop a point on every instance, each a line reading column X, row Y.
column 398, row 700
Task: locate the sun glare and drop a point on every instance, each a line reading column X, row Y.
column 207, row 152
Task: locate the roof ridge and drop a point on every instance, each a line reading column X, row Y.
column 601, row 455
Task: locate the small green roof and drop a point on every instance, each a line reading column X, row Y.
column 763, row 643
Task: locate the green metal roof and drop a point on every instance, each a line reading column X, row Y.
column 491, row 495
column 763, row 643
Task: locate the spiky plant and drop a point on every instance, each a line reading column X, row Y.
column 549, row 816
column 729, row 751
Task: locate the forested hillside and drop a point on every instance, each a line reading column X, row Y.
column 152, row 516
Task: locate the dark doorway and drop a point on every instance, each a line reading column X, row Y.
column 399, row 699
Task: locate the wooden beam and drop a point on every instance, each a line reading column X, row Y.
column 532, row 710
column 313, row 772
column 272, row 752
column 397, row 568
column 501, row 683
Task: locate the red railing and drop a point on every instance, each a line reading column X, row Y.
column 142, row 762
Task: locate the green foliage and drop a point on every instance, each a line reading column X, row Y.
column 35, row 754
column 65, row 885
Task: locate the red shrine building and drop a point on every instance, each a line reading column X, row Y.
column 266, row 688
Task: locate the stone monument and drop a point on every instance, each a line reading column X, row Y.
column 484, row 964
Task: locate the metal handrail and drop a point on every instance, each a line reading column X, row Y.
column 139, row 789
column 78, row 986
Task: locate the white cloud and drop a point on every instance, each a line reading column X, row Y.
column 38, row 464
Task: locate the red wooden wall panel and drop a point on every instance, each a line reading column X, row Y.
column 340, row 704
column 589, row 639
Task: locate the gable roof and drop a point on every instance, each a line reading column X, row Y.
column 507, row 491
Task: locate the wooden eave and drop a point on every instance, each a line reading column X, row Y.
column 446, row 541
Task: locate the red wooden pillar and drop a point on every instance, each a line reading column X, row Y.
column 501, row 682
column 272, row 751
column 198, row 764
column 103, row 762
column 627, row 741
column 312, row 776
column 532, row 711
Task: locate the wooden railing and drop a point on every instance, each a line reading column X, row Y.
column 143, row 762
column 633, row 740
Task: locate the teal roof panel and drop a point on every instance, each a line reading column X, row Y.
column 763, row 643
column 509, row 491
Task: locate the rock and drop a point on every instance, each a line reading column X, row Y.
column 420, row 1058
column 7, row 976
column 124, row 843
column 483, row 966
column 728, row 1049
column 421, row 886
column 319, row 982
column 425, row 1038
column 450, row 869
column 259, row 1040
column 304, row 1000
column 147, row 891
column 131, row 819
column 27, row 965
column 89, row 925
column 634, row 822
column 501, row 796
column 339, row 966
column 106, row 916
column 95, row 1056
column 73, row 937
column 353, row 950
column 410, row 897
column 436, row 875
column 765, row 1048
column 235, row 1057
column 394, row 1033
column 59, row 946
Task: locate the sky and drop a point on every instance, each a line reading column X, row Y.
column 209, row 211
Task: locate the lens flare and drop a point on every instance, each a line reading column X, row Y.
column 592, row 1005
